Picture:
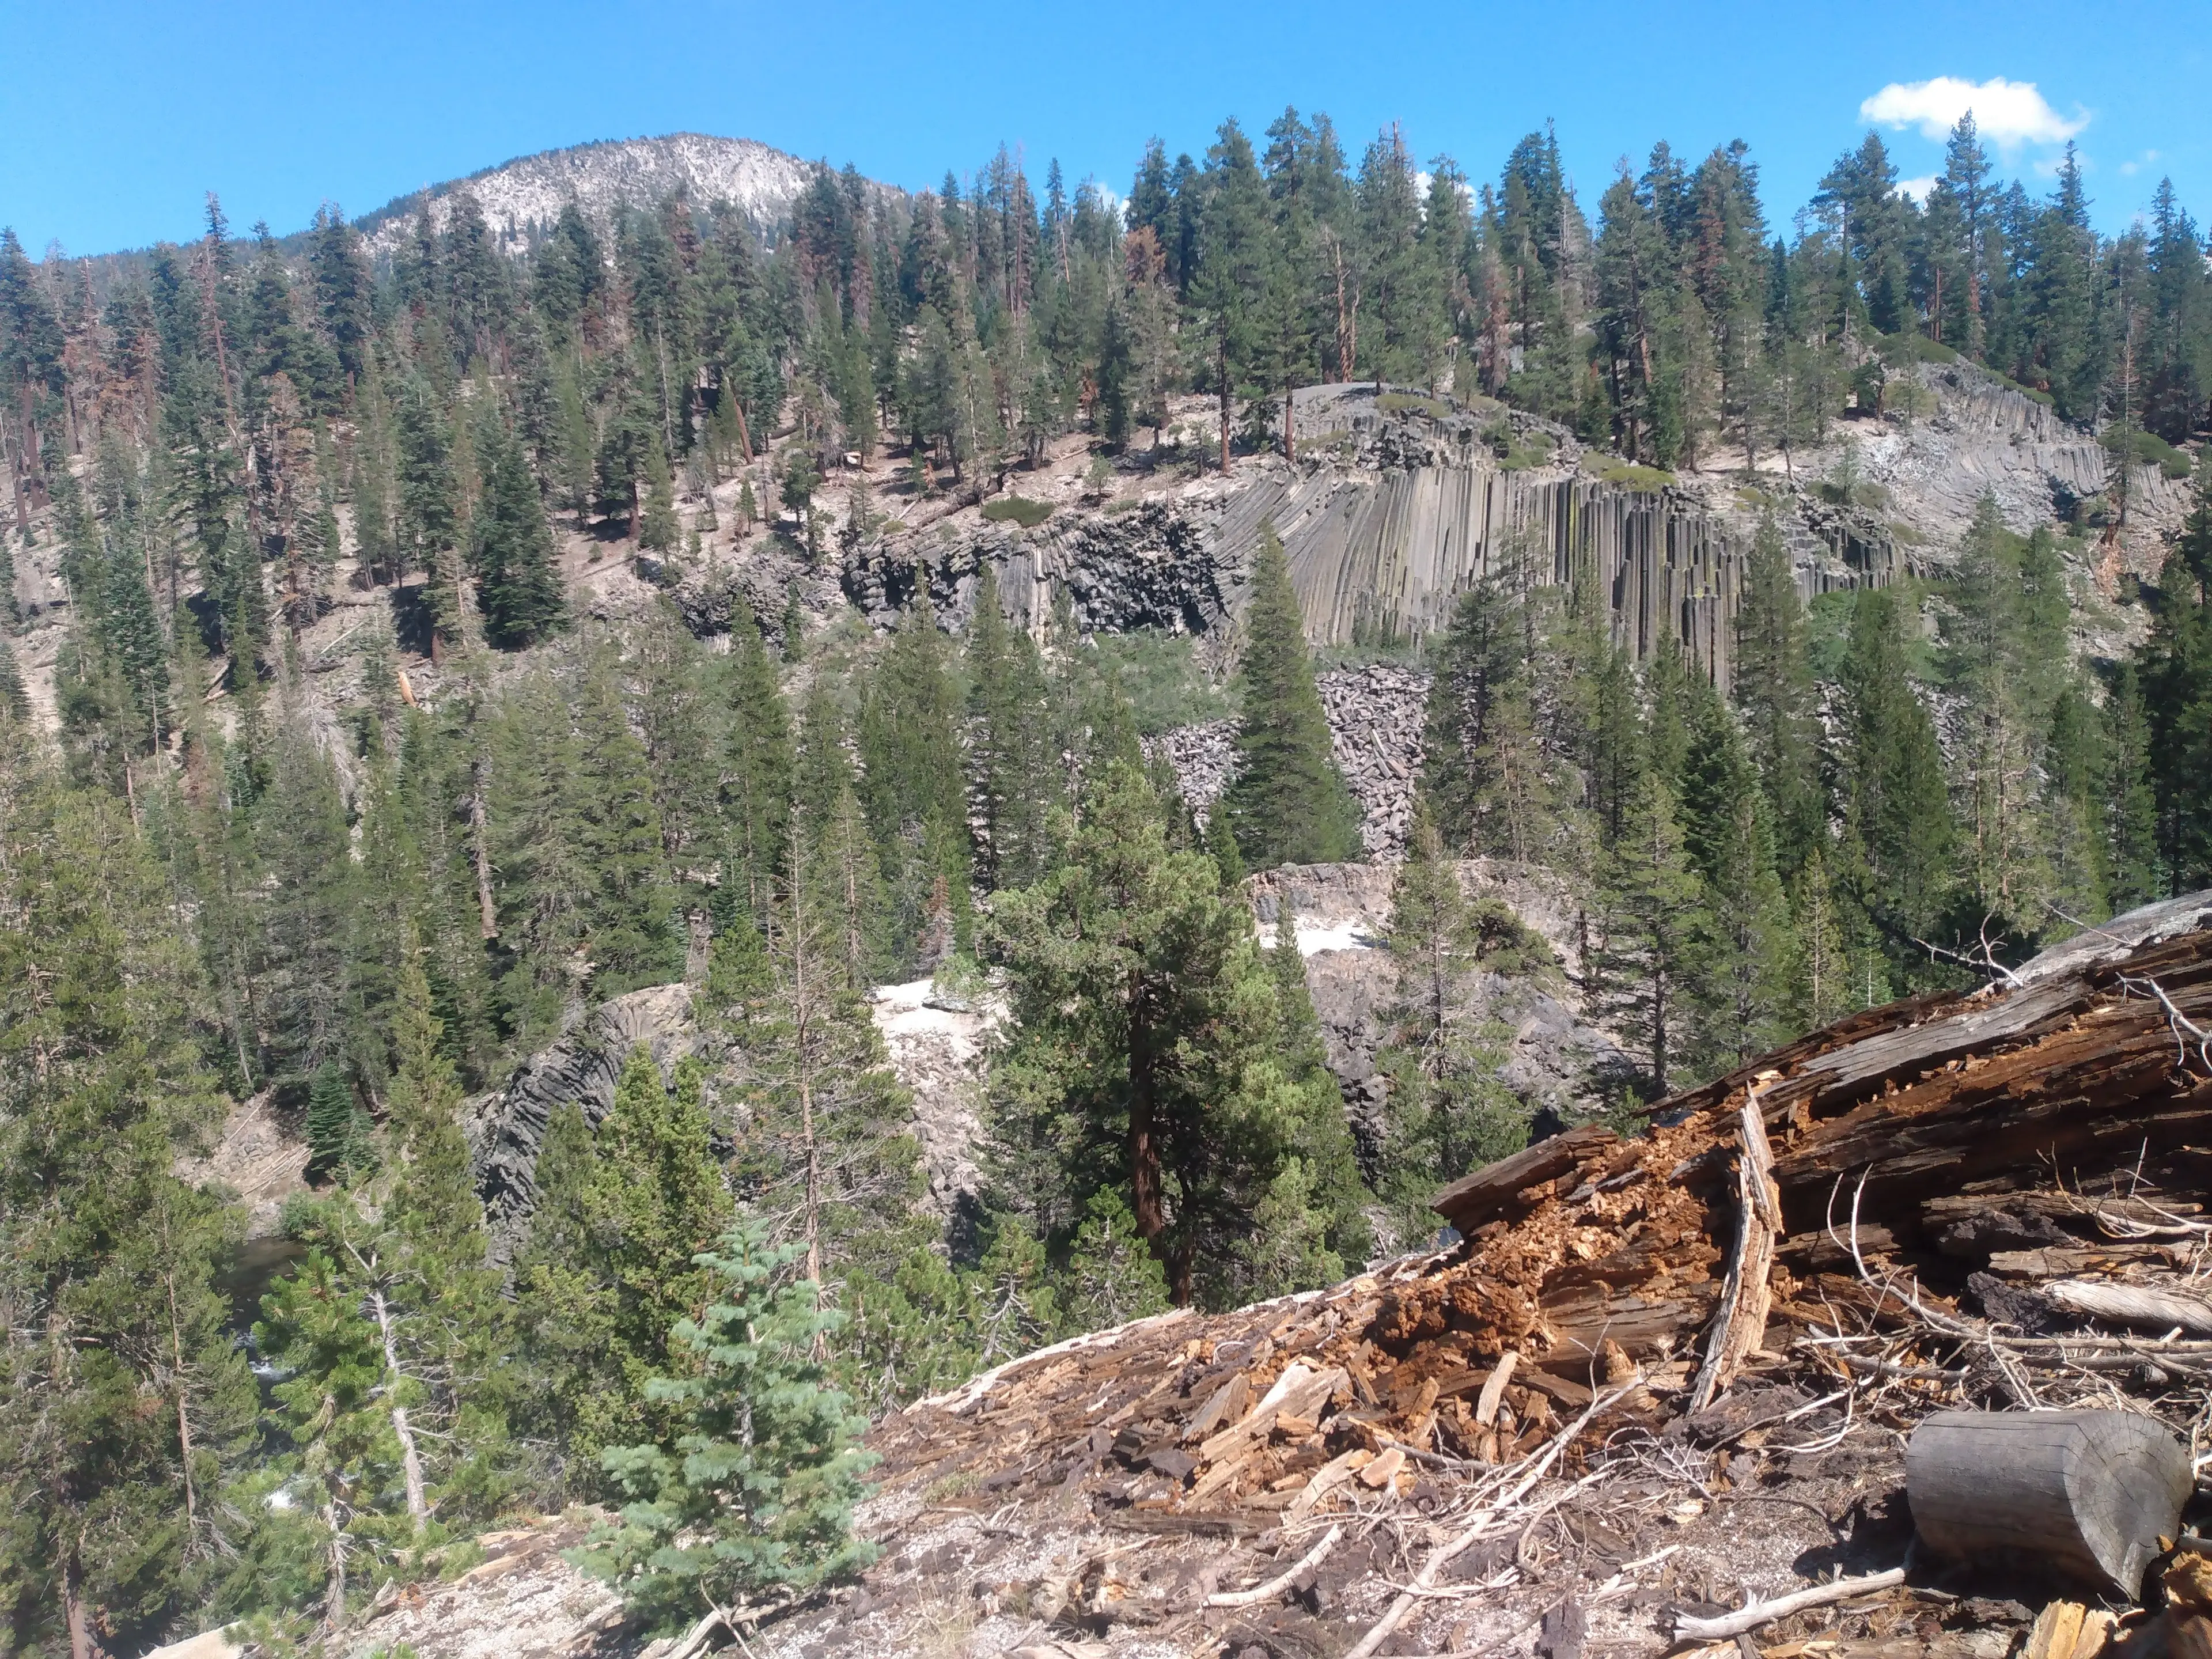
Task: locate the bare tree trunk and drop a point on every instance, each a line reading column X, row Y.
column 183, row 1415
column 16, row 479
column 82, row 1643
column 1148, row 1201
column 487, row 917
column 411, row 1456
column 1224, row 401
column 334, row 1571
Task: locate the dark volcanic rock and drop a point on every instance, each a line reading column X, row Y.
column 508, row 1127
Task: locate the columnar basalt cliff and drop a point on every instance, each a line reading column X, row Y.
column 1397, row 504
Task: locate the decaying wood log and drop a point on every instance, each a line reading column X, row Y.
column 1497, row 1188
column 2089, row 1491
column 1746, row 1297
column 2146, row 1307
column 1977, row 1139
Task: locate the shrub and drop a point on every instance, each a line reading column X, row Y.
column 756, row 1494
column 2147, row 449
column 1018, row 509
column 1914, row 348
column 1412, row 403
column 1611, row 468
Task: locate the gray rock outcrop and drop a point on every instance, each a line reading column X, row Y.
column 508, row 1127
column 1396, row 503
column 1558, row 1058
column 1374, row 716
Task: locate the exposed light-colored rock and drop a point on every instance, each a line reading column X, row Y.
column 525, row 1601
column 522, row 198
column 937, row 1045
column 218, row 1643
column 255, row 1158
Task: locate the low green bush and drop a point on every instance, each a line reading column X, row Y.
column 1913, row 347
column 2147, row 449
column 1611, row 468
column 1018, row 509
column 1412, row 403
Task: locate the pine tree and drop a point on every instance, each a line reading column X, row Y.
column 511, row 549
column 911, row 787
column 609, row 1267
column 2130, row 809
column 1233, row 273
column 1484, row 772
column 847, row 862
column 1288, row 803
column 658, row 526
column 628, row 917
column 393, row 1329
column 1651, row 912
column 341, row 1139
column 299, row 914
column 1894, row 804
column 429, row 507
column 752, row 1490
column 124, row 1407
column 758, row 771
column 1115, row 962
column 1111, row 1277
column 1449, row 1110
column 825, row 1156
column 1772, row 685
column 1011, row 782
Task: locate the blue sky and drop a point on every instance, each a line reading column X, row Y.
column 118, row 115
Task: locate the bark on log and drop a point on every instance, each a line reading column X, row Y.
column 1494, row 1189
column 2089, row 1492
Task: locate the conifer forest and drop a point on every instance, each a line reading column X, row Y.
column 513, row 738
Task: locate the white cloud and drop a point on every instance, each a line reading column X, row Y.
column 1917, row 189
column 2008, row 114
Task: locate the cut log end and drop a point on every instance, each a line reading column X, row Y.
column 2089, row 1492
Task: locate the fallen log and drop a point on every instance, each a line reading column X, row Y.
column 1497, row 1188
column 1745, row 1296
column 2144, row 1306
column 2090, row 1492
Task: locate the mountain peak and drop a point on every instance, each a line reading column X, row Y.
column 522, row 197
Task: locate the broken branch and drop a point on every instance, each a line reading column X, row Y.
column 1282, row 1581
column 1688, row 1628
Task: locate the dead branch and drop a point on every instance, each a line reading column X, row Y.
column 2144, row 1305
column 1283, row 1581
column 1688, row 1628
column 1537, row 1466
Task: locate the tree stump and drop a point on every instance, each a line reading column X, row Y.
column 2089, row 1492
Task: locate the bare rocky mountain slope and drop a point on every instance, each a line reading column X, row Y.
column 521, row 198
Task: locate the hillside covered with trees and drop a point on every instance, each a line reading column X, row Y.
column 222, row 880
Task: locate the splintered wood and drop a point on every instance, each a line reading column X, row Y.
column 1884, row 1203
